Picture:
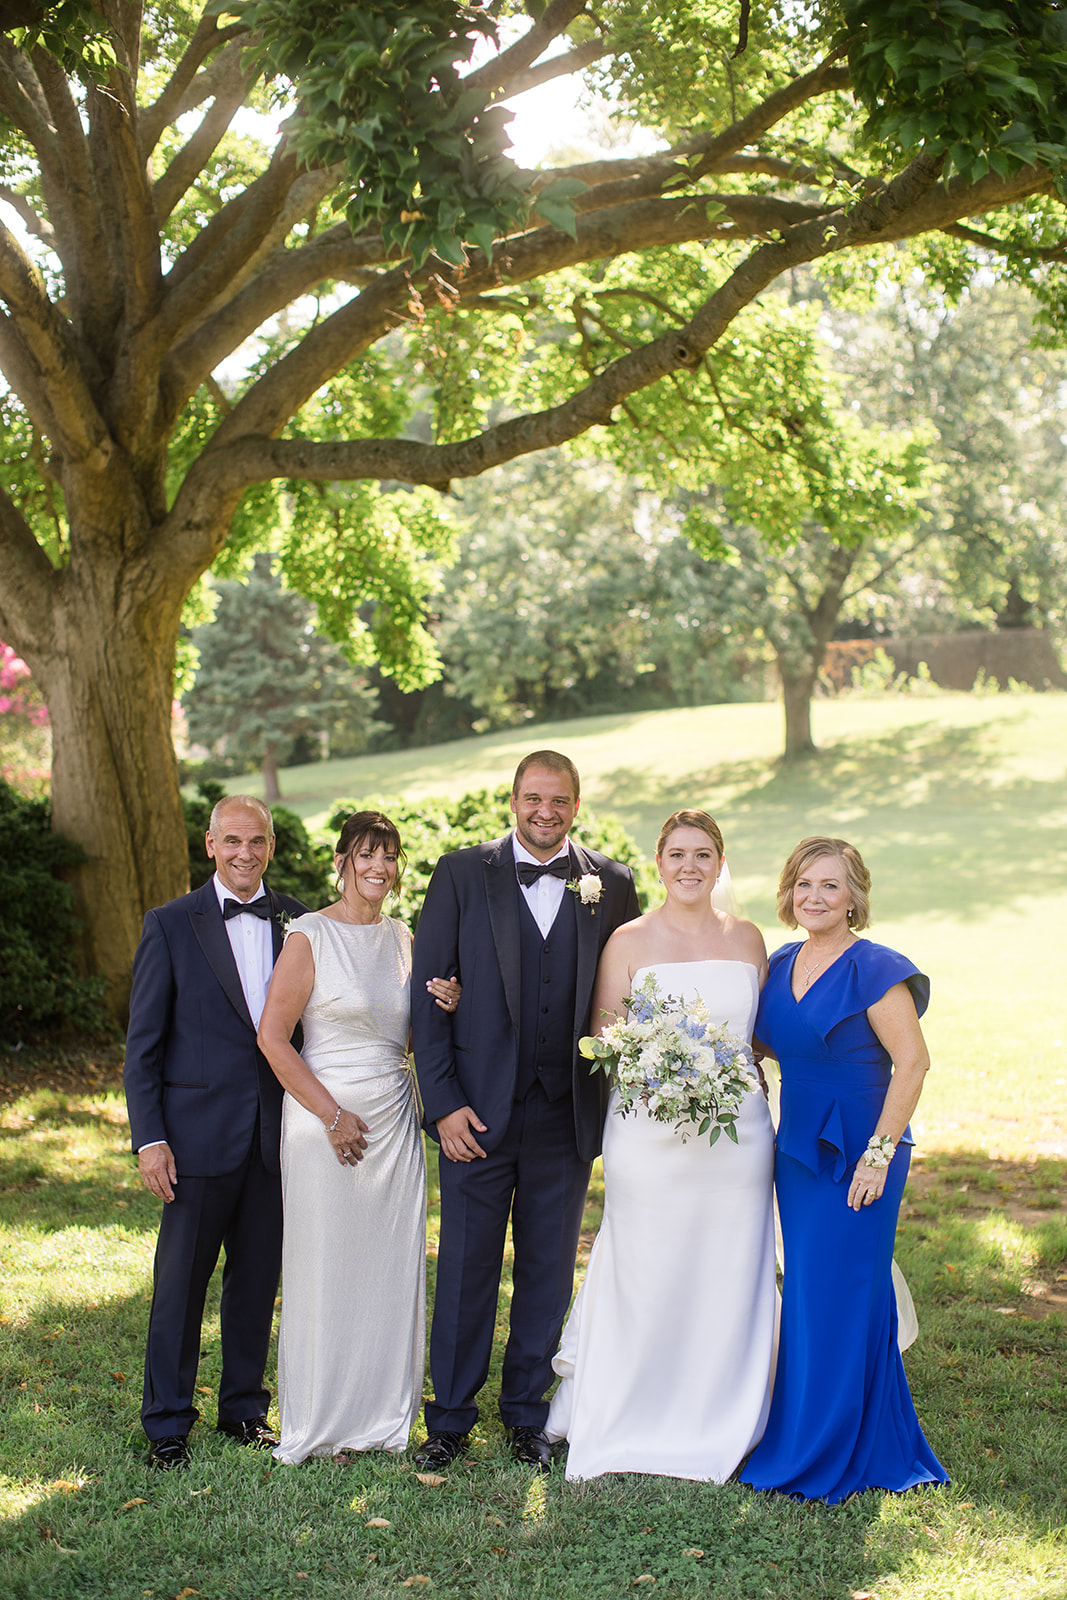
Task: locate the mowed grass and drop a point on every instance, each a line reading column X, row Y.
column 959, row 806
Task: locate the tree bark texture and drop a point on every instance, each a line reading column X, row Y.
column 106, row 352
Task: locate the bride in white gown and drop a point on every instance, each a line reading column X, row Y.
column 666, row 1357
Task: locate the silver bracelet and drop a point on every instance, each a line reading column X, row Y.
column 879, row 1152
column 335, row 1121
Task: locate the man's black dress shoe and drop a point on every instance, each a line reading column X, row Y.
column 254, row 1431
column 440, row 1450
column 170, row 1454
column 530, row 1446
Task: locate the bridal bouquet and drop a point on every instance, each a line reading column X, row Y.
column 668, row 1055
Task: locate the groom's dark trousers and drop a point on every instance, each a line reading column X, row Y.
column 195, row 1078
column 509, row 1052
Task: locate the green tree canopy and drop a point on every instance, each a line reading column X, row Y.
column 195, row 318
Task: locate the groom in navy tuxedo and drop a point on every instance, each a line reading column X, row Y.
column 515, row 1109
column 205, row 1119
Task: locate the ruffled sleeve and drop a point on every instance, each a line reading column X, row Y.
column 858, row 980
column 835, row 1071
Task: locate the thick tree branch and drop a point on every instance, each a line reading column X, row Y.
column 41, row 363
column 224, row 248
column 30, row 580
column 86, row 249
column 23, row 103
column 335, row 256
column 554, row 20
column 180, row 94
column 38, row 226
column 128, row 214
column 189, row 161
column 708, row 148
column 344, row 335
column 700, row 157
column 555, row 67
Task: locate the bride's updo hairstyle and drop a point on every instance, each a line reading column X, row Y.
column 372, row 828
column 856, row 876
column 692, row 819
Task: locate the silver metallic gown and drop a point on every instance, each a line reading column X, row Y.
column 350, row 1350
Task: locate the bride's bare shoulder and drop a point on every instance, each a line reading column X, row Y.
column 634, row 942
column 745, row 939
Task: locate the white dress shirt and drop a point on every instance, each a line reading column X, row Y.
column 545, row 895
column 253, row 950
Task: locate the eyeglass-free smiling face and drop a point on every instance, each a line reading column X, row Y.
column 240, row 850
column 544, row 807
column 689, row 864
column 821, row 896
column 369, row 871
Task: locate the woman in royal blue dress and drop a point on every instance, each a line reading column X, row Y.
column 841, row 1015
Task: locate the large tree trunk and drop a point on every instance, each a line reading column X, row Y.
column 272, row 792
column 798, row 684
column 107, row 674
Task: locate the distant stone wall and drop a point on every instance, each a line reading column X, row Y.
column 955, row 659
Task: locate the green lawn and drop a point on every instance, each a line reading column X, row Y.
column 959, row 805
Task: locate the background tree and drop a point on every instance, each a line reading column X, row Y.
column 975, row 369
column 266, row 679
column 574, row 592
column 155, row 242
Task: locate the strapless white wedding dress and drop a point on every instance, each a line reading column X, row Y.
column 666, row 1357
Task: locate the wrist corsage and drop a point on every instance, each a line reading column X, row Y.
column 879, row 1152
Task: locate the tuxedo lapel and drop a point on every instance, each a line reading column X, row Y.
column 276, row 913
column 588, row 946
column 205, row 917
column 502, row 897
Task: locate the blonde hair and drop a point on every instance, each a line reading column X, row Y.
column 856, row 876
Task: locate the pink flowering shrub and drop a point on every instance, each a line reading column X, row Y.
column 25, row 731
column 17, row 694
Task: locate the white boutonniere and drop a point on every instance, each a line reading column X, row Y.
column 588, row 888
column 285, row 923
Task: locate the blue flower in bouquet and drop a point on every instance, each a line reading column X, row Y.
column 669, row 1057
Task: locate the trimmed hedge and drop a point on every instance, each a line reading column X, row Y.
column 429, row 828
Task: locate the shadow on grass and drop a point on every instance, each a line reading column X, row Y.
column 84, row 1519
column 972, row 842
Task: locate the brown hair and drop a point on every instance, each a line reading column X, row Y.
column 856, row 876
column 554, row 762
column 372, row 828
column 692, row 819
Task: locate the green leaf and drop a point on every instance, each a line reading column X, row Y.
column 557, row 214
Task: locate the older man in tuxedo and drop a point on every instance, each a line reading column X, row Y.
column 205, row 1118
column 517, row 1114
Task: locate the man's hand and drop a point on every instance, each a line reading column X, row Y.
column 158, row 1171
column 456, row 1133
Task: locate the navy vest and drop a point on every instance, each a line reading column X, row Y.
column 549, row 986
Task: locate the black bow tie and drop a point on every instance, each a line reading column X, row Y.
column 257, row 908
column 530, row 871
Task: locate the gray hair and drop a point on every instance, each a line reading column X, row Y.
column 249, row 800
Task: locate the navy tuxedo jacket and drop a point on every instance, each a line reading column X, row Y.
column 469, row 925
column 194, row 1074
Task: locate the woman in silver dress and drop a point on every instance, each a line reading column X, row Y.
column 350, row 1349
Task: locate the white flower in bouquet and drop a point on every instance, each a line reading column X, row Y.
column 671, row 1058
